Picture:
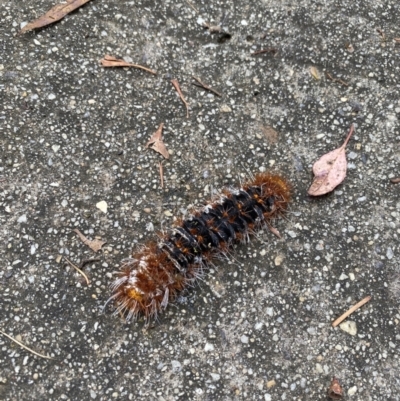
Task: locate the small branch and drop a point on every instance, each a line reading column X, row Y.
column 161, row 174
column 192, row 6
column 204, row 86
column 110, row 61
column 350, row 311
column 348, row 136
column 272, row 50
column 178, row 89
column 329, row 76
column 78, row 270
column 25, row 347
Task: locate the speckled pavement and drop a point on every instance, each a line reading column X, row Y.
column 258, row 326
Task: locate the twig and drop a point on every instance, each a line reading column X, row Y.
column 329, row 76
column 192, row 6
column 110, row 61
column 78, row 270
column 24, row 346
column 161, row 174
column 381, row 33
column 350, row 311
column 272, row 50
column 178, row 89
column 204, row 86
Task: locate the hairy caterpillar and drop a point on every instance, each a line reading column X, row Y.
column 155, row 274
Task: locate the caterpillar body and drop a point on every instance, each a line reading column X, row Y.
column 160, row 270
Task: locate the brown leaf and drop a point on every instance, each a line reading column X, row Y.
column 395, row 180
column 156, row 143
column 53, row 15
column 330, row 170
column 110, row 61
column 335, row 391
column 95, row 245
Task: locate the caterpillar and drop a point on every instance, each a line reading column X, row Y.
column 154, row 275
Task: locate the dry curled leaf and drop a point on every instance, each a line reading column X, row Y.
column 314, row 72
column 110, row 61
column 330, row 170
column 53, row 15
column 95, row 245
column 335, row 391
column 156, row 143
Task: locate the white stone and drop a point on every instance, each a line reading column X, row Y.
column 349, row 327
column 209, row 347
column 22, row 219
column 215, row 376
column 352, row 390
column 244, row 339
column 102, row 205
column 176, row 366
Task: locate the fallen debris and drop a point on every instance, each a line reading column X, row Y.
column 156, row 142
column 178, row 89
column 81, row 272
column 161, row 174
column 55, row 14
column 329, row 76
column 271, row 50
column 335, row 391
column 350, row 311
column 95, row 245
column 201, row 84
column 25, row 347
column 110, row 61
column 395, row 180
column 314, row 72
column 330, row 169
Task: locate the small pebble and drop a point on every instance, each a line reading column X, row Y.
column 352, row 390
column 244, row 339
column 102, row 205
column 349, row 327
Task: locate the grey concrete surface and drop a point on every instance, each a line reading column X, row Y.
column 258, row 327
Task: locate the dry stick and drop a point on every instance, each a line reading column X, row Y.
column 24, row 346
column 204, row 86
column 329, row 76
column 110, row 61
column 268, row 50
column 178, row 89
column 350, row 311
column 161, row 174
column 192, row 6
column 78, row 270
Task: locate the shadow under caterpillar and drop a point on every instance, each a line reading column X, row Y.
column 160, row 270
